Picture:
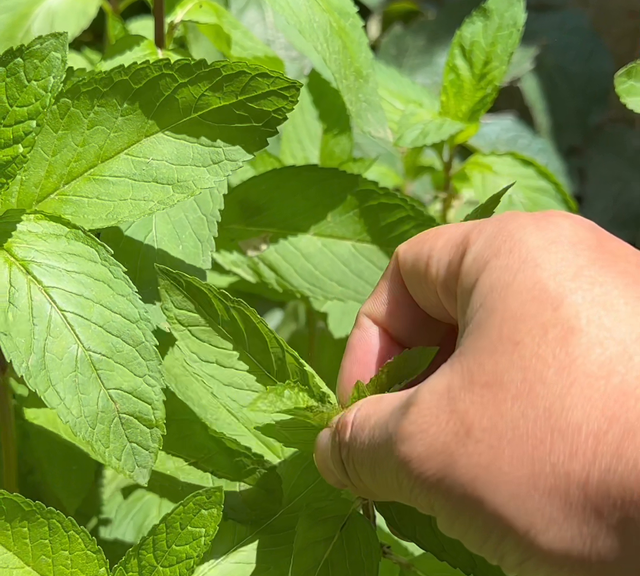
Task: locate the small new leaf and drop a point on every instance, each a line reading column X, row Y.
column 38, row 540
column 396, row 373
column 489, row 206
column 175, row 546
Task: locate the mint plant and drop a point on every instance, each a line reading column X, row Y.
column 192, row 215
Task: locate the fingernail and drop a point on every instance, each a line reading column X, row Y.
column 324, row 461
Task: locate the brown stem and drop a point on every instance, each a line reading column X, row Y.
column 8, row 437
column 158, row 15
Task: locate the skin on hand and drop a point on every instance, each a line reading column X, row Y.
column 525, row 442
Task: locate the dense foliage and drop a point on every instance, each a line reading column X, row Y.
column 194, row 207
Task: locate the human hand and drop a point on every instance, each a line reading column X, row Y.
column 525, row 442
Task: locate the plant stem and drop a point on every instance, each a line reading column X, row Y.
column 405, row 564
column 447, row 188
column 8, row 437
column 158, row 15
column 369, row 511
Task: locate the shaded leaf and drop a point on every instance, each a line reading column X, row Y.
column 488, row 207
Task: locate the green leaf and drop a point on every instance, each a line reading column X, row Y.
column 330, row 243
column 74, row 328
column 302, row 133
column 423, row 530
column 418, row 128
column 628, row 86
column 31, row 77
column 35, row 540
column 398, row 93
column 489, row 206
column 506, row 134
column 21, row 22
column 109, row 154
column 225, row 32
column 181, row 237
column 396, row 373
column 479, row 58
column 175, row 546
column 334, row 539
column 337, row 137
column 330, row 33
column 225, row 356
column 533, row 190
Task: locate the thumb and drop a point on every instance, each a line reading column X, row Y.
column 382, row 446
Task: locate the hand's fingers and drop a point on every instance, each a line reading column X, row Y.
column 367, row 449
column 414, row 304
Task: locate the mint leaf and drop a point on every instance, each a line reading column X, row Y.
column 332, row 538
column 225, row 356
column 331, row 34
column 35, row 540
column 479, row 58
column 489, row 206
column 175, row 546
column 74, row 328
column 109, row 153
column 423, row 531
column 418, row 128
column 506, row 134
column 302, row 133
column 226, row 33
column 534, row 190
column 330, row 243
column 31, row 77
column 396, row 373
column 628, row 86
column 181, row 237
column 21, row 22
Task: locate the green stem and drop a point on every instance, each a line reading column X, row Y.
column 158, row 15
column 8, row 437
column 405, row 564
column 369, row 511
column 447, row 187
